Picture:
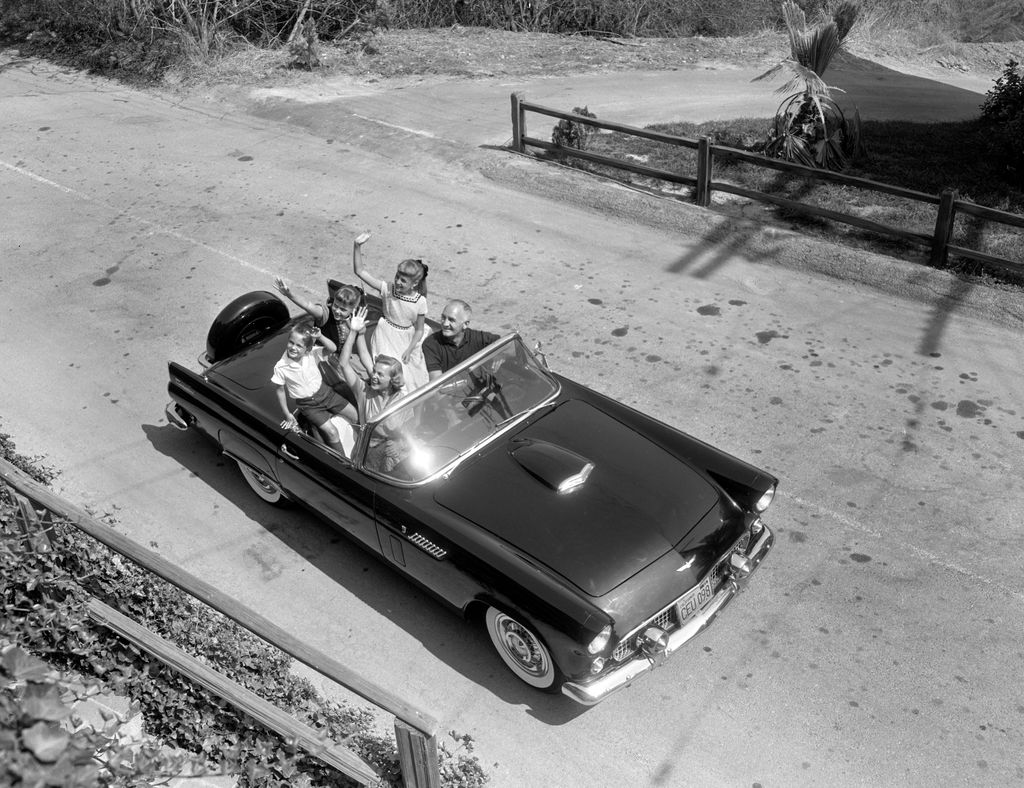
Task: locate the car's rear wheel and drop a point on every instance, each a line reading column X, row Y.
column 522, row 650
column 261, row 484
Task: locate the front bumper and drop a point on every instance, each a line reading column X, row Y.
column 596, row 690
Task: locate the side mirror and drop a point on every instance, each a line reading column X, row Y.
column 539, row 353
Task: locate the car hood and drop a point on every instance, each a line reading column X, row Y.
column 638, row 502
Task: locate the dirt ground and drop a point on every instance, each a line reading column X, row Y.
column 478, row 52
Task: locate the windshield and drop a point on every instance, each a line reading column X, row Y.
column 450, row 417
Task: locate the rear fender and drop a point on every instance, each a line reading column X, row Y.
column 244, row 452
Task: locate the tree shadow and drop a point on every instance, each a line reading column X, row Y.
column 746, row 238
column 881, row 92
column 723, row 242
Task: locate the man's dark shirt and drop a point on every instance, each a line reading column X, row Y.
column 441, row 355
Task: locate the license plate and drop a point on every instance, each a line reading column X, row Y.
column 696, row 599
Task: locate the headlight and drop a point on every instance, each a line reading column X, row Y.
column 765, row 500
column 597, row 644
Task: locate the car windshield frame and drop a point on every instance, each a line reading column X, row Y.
column 471, row 405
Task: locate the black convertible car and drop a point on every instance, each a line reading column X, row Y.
column 590, row 539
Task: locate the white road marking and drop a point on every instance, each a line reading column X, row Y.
column 418, row 132
column 910, row 548
column 154, row 227
column 41, row 179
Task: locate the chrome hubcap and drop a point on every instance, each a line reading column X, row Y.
column 521, row 646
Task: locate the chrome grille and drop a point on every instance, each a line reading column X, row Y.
column 668, row 619
column 665, row 619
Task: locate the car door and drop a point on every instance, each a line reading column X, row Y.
column 329, row 484
column 417, row 550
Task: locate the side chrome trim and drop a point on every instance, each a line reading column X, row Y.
column 591, row 692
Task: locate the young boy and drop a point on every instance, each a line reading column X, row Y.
column 298, row 374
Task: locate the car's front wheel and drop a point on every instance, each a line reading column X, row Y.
column 522, row 650
column 261, row 484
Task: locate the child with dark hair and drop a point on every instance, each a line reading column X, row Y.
column 298, row 374
column 400, row 330
column 332, row 319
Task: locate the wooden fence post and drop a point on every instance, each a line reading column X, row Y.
column 703, row 172
column 943, row 229
column 417, row 754
column 518, row 122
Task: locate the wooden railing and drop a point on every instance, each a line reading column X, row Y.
column 415, row 730
column 938, row 242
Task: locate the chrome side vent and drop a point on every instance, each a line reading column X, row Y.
column 427, row 546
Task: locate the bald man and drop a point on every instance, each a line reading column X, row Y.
column 455, row 341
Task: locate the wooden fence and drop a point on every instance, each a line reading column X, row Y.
column 415, row 730
column 938, row 242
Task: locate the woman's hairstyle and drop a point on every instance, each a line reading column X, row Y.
column 395, row 371
column 413, row 266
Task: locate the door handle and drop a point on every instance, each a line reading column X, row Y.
column 288, row 453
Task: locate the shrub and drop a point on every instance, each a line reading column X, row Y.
column 571, row 134
column 43, row 595
column 1005, row 101
column 305, row 49
column 42, row 748
column 810, row 128
column 30, row 465
column 1002, row 117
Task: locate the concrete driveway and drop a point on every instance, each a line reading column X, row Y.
column 880, row 643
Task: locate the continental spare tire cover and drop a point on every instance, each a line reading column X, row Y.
column 243, row 322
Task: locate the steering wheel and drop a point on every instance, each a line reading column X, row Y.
column 487, row 391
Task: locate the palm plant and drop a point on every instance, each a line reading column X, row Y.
column 809, row 126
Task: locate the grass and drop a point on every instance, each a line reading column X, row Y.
column 925, row 157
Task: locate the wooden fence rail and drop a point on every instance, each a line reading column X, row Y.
column 265, row 712
column 415, row 730
column 939, row 242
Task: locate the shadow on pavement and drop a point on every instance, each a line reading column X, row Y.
column 721, row 243
column 881, row 92
column 462, row 645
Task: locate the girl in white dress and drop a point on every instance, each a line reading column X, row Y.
column 399, row 332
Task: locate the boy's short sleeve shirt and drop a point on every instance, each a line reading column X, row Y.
column 301, row 378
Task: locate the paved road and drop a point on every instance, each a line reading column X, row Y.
column 476, row 112
column 881, row 643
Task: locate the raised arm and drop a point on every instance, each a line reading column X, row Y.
column 358, row 324
column 357, row 264
column 328, row 344
column 313, row 310
column 363, row 351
